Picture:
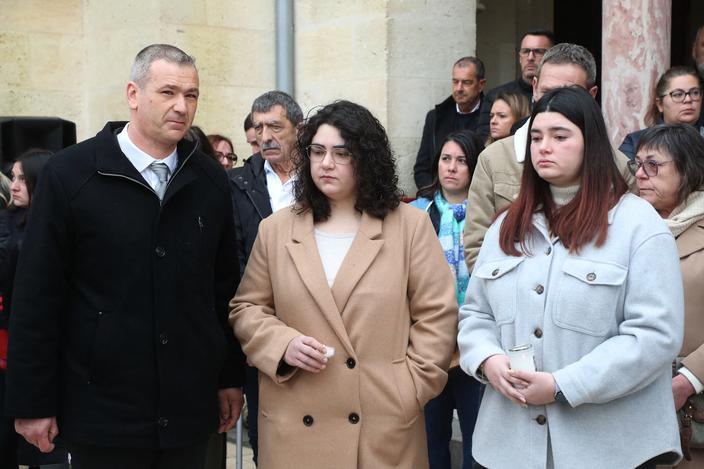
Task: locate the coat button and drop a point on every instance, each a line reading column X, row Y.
column 164, row 339
column 353, row 418
column 351, row 363
column 548, row 251
column 539, row 289
column 163, row 423
column 538, row 332
column 495, row 273
column 307, row 420
column 160, row 251
column 591, row 276
column 541, row 419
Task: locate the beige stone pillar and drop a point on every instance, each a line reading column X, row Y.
column 391, row 56
column 635, row 52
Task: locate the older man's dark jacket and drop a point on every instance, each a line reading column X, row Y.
column 250, row 202
column 119, row 320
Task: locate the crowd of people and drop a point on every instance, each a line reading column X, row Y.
column 542, row 283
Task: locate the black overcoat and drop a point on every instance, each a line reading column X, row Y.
column 119, row 322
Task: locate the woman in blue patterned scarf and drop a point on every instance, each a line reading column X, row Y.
column 445, row 201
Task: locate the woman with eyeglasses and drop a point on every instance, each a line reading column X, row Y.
column 677, row 100
column 223, row 150
column 346, row 307
column 574, row 313
column 669, row 170
column 445, row 201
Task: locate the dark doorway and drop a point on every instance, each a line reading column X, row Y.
column 687, row 16
column 579, row 22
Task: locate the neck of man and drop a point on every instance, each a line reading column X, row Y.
column 154, row 149
column 469, row 106
column 283, row 169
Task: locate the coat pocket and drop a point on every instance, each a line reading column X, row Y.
column 406, row 390
column 589, row 295
column 500, row 277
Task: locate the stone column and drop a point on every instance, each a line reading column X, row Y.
column 392, row 56
column 635, row 52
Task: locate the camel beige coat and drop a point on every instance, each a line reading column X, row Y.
column 690, row 245
column 391, row 316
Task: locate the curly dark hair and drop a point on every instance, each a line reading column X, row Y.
column 374, row 164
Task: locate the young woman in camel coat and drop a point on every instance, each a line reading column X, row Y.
column 347, row 268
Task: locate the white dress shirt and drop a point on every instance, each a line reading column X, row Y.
column 142, row 161
column 280, row 194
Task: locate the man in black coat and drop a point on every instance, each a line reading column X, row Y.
column 263, row 185
column 531, row 49
column 119, row 338
column 458, row 112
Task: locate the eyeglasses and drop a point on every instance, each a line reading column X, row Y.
column 339, row 155
column 650, row 167
column 525, row 51
column 678, row 95
column 230, row 156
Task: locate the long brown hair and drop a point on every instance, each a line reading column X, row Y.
column 585, row 218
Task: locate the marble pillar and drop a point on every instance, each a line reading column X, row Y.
column 635, row 52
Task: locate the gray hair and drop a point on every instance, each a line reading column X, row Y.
column 268, row 100
column 566, row 53
column 478, row 65
column 154, row 52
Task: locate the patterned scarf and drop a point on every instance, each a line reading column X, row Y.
column 450, row 235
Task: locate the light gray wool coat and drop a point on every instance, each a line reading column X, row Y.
column 611, row 323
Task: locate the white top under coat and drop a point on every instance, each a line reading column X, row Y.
column 332, row 249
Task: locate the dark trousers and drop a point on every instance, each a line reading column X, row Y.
column 462, row 392
column 94, row 457
column 251, row 390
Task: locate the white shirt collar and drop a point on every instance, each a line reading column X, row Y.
column 520, row 141
column 140, row 159
column 457, row 107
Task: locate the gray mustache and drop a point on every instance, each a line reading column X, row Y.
column 271, row 146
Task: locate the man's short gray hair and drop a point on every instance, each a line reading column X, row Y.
column 154, row 52
column 469, row 60
column 268, row 100
column 566, row 53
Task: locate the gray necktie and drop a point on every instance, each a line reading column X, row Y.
column 162, row 173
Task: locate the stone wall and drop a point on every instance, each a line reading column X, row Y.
column 71, row 58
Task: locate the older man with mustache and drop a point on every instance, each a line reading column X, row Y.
column 263, row 185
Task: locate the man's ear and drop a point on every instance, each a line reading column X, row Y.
column 593, row 91
column 482, row 82
column 132, row 93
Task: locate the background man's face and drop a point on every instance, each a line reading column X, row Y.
column 529, row 62
column 276, row 134
column 698, row 49
column 553, row 76
column 251, row 136
column 465, row 85
column 163, row 107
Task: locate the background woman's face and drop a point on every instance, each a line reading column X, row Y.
column 556, row 149
column 453, row 172
column 686, row 112
column 501, row 119
column 18, row 187
column 660, row 190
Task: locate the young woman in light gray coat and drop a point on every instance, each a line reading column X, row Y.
column 589, row 276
